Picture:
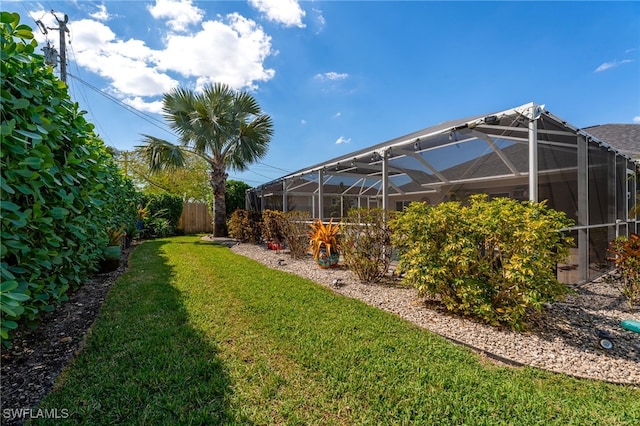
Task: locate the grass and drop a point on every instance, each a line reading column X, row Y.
column 194, row 334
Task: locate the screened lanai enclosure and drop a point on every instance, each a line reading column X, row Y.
column 526, row 153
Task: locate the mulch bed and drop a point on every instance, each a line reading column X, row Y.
column 29, row 369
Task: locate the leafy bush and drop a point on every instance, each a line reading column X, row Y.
column 626, row 258
column 61, row 190
column 272, row 226
column 165, row 206
column 295, row 227
column 235, row 195
column 366, row 243
column 246, row 226
column 494, row 260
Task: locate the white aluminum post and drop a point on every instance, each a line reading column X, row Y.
column 533, row 154
column 320, row 194
column 385, row 180
column 284, row 195
column 583, row 208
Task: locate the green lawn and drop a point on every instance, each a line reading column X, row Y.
column 194, row 334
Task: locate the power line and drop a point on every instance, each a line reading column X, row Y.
column 149, row 119
column 273, row 167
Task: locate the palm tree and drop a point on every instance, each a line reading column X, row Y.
column 225, row 127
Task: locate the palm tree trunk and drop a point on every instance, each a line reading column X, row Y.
column 218, row 179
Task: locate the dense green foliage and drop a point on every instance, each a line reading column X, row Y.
column 494, row 260
column 235, row 195
column 179, row 342
column 61, row 190
column 189, row 183
column 162, row 214
column 366, row 242
column 246, row 226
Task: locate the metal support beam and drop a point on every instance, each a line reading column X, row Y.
column 583, row 208
column 385, row 179
column 533, row 154
column 320, row 193
column 284, row 195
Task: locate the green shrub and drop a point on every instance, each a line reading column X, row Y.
column 295, row 228
column 165, row 206
column 61, row 190
column 494, row 260
column 272, row 226
column 626, row 258
column 245, row 226
column 366, row 243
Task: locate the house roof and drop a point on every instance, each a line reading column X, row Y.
column 623, row 137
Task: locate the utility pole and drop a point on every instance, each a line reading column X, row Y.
column 62, row 29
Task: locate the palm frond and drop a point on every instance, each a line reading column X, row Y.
column 160, row 154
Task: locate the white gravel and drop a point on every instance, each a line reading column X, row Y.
column 562, row 340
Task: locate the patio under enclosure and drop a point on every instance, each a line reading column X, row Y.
column 526, row 153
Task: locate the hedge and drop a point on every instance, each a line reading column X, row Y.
column 61, row 191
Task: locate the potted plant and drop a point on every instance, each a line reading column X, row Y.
column 324, row 242
column 113, row 251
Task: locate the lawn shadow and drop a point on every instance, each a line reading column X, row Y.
column 143, row 362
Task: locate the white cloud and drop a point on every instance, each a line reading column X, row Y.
column 129, row 65
column 636, row 119
column 608, row 65
column 342, row 139
column 303, row 122
column 320, row 20
column 180, row 14
column 229, row 49
column 141, row 105
column 101, row 14
column 337, row 114
column 331, row 76
column 231, row 52
column 285, row 12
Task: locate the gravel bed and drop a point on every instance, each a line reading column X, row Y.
column 561, row 340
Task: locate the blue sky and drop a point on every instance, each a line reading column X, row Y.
column 337, row 76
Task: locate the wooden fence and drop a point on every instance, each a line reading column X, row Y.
column 195, row 218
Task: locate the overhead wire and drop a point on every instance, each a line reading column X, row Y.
column 80, row 92
column 146, row 117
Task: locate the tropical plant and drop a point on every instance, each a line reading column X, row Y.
column 626, row 258
column 115, row 235
column 325, row 237
column 163, row 205
column 226, row 128
column 366, row 242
